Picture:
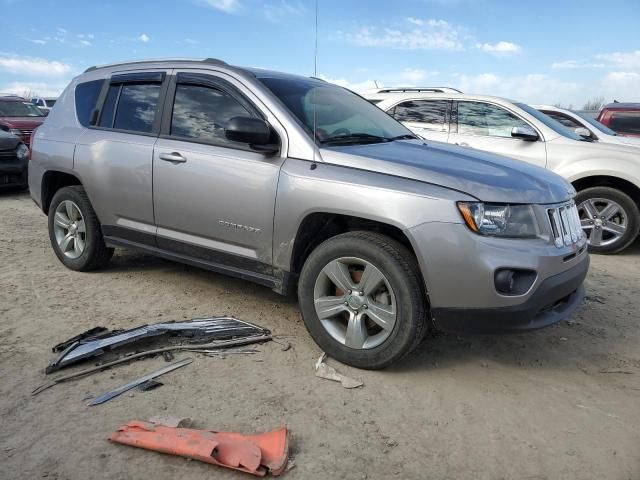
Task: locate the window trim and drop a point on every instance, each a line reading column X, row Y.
column 454, row 121
column 130, row 78
column 207, row 80
column 447, row 114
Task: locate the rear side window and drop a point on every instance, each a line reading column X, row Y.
column 202, row 112
column 131, row 106
column 87, row 94
column 430, row 114
column 625, row 122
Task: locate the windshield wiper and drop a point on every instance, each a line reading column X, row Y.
column 354, row 138
column 406, row 136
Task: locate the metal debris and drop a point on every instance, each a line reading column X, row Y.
column 199, row 329
column 325, row 371
column 105, row 397
column 149, row 385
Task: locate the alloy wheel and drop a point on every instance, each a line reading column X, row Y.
column 603, row 221
column 355, row 303
column 70, row 229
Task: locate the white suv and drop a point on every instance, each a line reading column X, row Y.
column 607, row 176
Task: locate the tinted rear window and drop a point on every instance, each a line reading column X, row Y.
column 625, row 122
column 86, row 98
column 430, row 113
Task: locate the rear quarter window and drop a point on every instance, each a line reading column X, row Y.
column 86, row 95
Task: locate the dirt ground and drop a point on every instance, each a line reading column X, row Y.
column 559, row 403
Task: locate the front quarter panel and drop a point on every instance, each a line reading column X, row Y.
column 306, row 187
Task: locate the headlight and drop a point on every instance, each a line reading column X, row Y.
column 22, row 151
column 516, row 221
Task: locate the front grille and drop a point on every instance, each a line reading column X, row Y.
column 565, row 225
column 7, row 154
column 26, row 135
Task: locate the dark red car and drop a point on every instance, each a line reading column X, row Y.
column 622, row 118
column 20, row 117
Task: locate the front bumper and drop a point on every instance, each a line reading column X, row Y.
column 13, row 172
column 459, row 269
column 556, row 298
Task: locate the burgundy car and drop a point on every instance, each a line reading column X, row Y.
column 20, row 117
column 622, row 118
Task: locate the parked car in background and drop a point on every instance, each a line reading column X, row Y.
column 44, row 103
column 19, row 117
column 622, row 118
column 586, row 126
column 606, row 176
column 14, row 160
column 293, row 182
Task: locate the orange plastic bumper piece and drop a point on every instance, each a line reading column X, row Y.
column 256, row 454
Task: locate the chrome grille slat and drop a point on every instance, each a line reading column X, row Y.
column 565, row 225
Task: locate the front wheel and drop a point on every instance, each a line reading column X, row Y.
column 363, row 299
column 609, row 218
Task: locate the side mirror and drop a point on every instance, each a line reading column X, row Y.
column 254, row 131
column 525, row 132
column 583, row 132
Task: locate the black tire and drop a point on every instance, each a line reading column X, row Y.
column 400, row 267
column 631, row 212
column 96, row 254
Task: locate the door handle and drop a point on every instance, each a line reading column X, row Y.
column 463, row 144
column 173, row 157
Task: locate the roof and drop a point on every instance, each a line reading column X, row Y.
column 398, row 96
column 623, row 105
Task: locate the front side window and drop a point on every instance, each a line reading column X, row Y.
column 131, row 106
column 202, row 113
column 430, row 114
column 476, row 118
column 625, row 122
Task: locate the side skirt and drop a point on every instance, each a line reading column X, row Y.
column 271, row 281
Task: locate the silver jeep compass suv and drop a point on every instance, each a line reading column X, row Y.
column 291, row 181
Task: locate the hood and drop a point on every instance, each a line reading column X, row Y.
column 630, row 141
column 488, row 177
column 22, row 123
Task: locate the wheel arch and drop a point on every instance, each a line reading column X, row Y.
column 611, row 181
column 52, row 181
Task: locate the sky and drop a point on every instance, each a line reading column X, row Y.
column 538, row 51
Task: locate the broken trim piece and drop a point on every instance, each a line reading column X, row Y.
column 86, row 346
column 255, row 454
column 105, row 397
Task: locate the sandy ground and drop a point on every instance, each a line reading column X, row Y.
column 559, row 403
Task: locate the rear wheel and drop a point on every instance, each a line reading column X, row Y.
column 609, row 217
column 75, row 232
column 363, row 300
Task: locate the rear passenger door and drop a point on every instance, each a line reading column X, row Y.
column 486, row 126
column 114, row 156
column 213, row 198
column 427, row 118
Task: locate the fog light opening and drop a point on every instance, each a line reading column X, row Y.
column 509, row 281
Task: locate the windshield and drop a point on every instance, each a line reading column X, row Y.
column 50, row 103
column 596, row 124
column 341, row 117
column 19, row 109
column 550, row 122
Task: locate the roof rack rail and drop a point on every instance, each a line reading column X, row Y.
column 212, row 61
column 416, row 90
column 13, row 95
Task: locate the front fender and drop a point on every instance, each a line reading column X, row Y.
column 402, row 203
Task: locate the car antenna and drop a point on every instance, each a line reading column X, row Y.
column 314, row 165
